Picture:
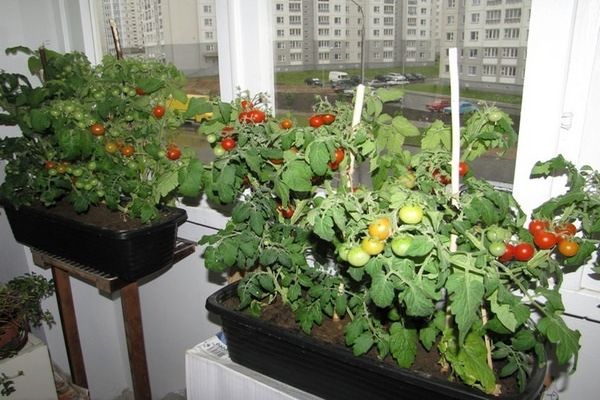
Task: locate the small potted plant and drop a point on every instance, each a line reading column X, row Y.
column 20, row 308
column 402, row 268
column 95, row 139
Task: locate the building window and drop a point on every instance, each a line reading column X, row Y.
column 493, row 16
column 472, row 53
column 323, row 43
column 295, row 20
column 449, row 36
column 323, row 20
column 511, row 33
column 337, row 8
column 295, row 44
column 411, row 32
column 490, row 52
column 388, row 43
column 337, row 32
column 474, row 35
column 208, row 35
column 494, row 2
column 279, row 20
column 377, row 55
column 388, row 55
column 281, row 45
column 296, row 57
column 280, row 33
column 207, row 9
column 492, row 34
column 294, row 7
column 388, row 9
column 388, row 21
column 323, row 56
column 337, row 44
column 279, row 7
column 411, row 22
column 295, row 32
column 476, row 2
column 210, row 47
column 281, row 58
column 506, row 70
column 388, row 32
column 450, row 19
column 337, row 20
column 323, row 32
column 471, row 70
column 475, row 18
column 207, row 21
column 512, row 15
column 375, row 32
column 510, row 52
column 489, row 70
column 451, row 3
column 323, row 7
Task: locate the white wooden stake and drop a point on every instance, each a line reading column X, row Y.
column 454, row 105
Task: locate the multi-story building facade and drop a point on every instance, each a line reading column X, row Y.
column 491, row 37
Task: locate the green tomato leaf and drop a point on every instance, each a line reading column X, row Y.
column 297, row 176
column 362, row 344
column 466, row 293
column 318, row 156
column 403, row 344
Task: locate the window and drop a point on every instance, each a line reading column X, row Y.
column 337, row 44
column 207, row 21
column 472, row 70
column 295, row 20
column 323, row 7
column 411, row 32
column 388, row 54
column 451, row 3
column 294, row 7
column 323, row 43
column 375, row 32
column 296, row 57
column 388, row 21
column 208, row 35
column 280, row 33
column 323, row 20
column 472, row 53
column 449, row 36
column 337, row 32
column 323, row 32
column 511, row 33
column 423, row 11
column 279, row 20
column 376, row 9
column 281, row 58
column 474, row 35
column 377, row 55
column 295, row 44
column 450, row 19
column 492, row 34
column 337, row 8
column 388, row 32
column 493, row 16
column 476, row 2
column 510, row 52
column 279, row 7
column 411, row 22
column 337, row 20
column 210, row 47
column 376, row 21
column 494, row 2
column 295, row 32
column 512, row 15
column 475, row 18
column 280, row 45
column 207, row 9
column 489, row 70
column 506, row 70
column 490, row 52
column 323, row 56
column 388, row 9
column 388, row 43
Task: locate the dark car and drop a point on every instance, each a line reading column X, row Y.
column 313, row 82
column 415, row 77
column 355, row 79
column 342, row 84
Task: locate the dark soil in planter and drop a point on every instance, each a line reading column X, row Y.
column 332, row 332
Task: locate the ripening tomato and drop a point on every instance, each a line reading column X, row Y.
column 315, row 121
column 380, row 229
column 49, row 164
column 441, row 177
column 228, row 143
column 411, row 214
column 544, row 239
column 111, row 147
column 173, row 153
column 158, row 111
column 463, row 168
column 537, row 225
column 286, row 213
column 509, row 253
column 139, row 91
column 372, row 246
column 357, row 257
column 257, row 116
column 97, row 129
column 328, row 119
column 246, row 104
column 565, row 231
column 568, row 248
column 286, row 124
column 127, row 150
column 340, row 153
column 523, row 252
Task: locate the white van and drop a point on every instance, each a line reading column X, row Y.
column 335, row 76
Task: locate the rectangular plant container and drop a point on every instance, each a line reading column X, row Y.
column 329, row 371
column 128, row 254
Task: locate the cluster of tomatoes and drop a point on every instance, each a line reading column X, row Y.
column 544, row 238
column 250, row 114
column 126, row 149
column 378, row 233
column 318, row 120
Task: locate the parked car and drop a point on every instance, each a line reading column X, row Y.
column 415, row 77
column 342, row 85
column 335, row 76
column 376, row 83
column 397, row 80
column 438, row 105
column 464, row 107
column 313, row 82
column 355, row 79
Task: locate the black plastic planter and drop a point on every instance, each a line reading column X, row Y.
column 127, row 254
column 329, row 371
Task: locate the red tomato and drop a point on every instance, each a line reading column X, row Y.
column 173, row 152
column 333, row 165
column 257, row 116
column 286, row 213
column 463, row 168
column 139, row 91
column 97, row 129
column 509, row 253
column 49, row 164
column 328, row 119
column 441, row 177
column 246, row 104
column 228, row 143
column 286, row 124
column 565, row 231
column 544, row 239
column 127, row 150
column 227, row 131
column 524, row 252
column 340, row 153
column 315, row 121
column 158, row 111
column 277, row 161
column 537, row 225
column 244, row 117
column 568, row 248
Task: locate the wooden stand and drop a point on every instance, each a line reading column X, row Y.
column 62, row 269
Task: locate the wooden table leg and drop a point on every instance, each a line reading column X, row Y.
column 134, row 332
column 69, row 326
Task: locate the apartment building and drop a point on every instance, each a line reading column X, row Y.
column 491, row 37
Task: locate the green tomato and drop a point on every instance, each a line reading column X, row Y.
column 212, row 138
column 343, row 251
column 357, row 257
column 411, row 214
column 494, row 116
column 219, row 151
column 495, row 233
column 400, row 245
column 77, row 172
column 393, row 314
column 497, row 248
column 92, row 165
